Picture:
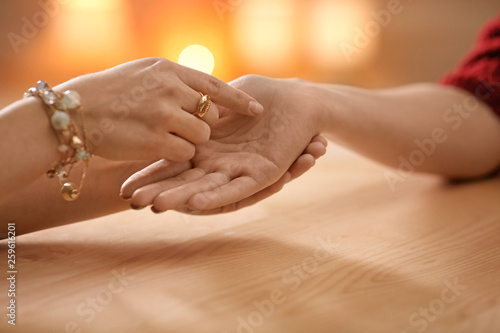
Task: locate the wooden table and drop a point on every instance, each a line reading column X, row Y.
column 336, row 251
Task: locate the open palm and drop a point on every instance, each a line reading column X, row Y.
column 246, row 159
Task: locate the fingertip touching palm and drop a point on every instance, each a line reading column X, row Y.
column 246, row 159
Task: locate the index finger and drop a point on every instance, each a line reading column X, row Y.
column 220, row 92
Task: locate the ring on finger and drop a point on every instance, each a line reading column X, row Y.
column 203, row 106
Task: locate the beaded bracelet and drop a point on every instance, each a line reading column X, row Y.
column 71, row 145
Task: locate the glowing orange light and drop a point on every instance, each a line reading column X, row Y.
column 197, row 36
column 197, row 57
column 332, row 31
column 93, row 4
column 93, row 32
column 264, row 33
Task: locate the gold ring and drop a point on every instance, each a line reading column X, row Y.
column 203, row 106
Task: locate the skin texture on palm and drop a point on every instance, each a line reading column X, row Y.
column 246, row 160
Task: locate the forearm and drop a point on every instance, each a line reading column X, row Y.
column 40, row 206
column 436, row 129
column 28, row 145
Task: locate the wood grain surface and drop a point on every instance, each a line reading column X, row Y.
column 336, row 251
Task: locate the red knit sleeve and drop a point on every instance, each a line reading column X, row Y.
column 479, row 72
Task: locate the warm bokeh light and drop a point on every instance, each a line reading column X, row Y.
column 333, row 24
column 264, row 34
column 93, row 32
column 181, row 25
column 61, row 39
column 93, row 4
column 197, row 57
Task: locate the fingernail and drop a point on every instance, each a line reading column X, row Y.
column 255, row 107
column 191, row 211
column 156, row 211
column 124, row 197
column 137, row 207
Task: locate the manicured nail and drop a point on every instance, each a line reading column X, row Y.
column 137, row 207
column 191, row 211
column 124, row 197
column 256, row 108
column 156, row 211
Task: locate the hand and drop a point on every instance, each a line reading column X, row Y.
column 145, row 184
column 246, row 159
column 142, row 110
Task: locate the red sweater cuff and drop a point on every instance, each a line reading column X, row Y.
column 479, row 71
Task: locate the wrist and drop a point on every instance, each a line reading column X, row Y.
column 40, row 130
column 87, row 118
column 321, row 105
column 72, row 146
column 338, row 107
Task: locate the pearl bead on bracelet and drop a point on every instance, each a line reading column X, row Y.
column 71, row 146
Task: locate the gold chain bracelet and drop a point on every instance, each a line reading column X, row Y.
column 73, row 147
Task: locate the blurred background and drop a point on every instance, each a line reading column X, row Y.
column 368, row 43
